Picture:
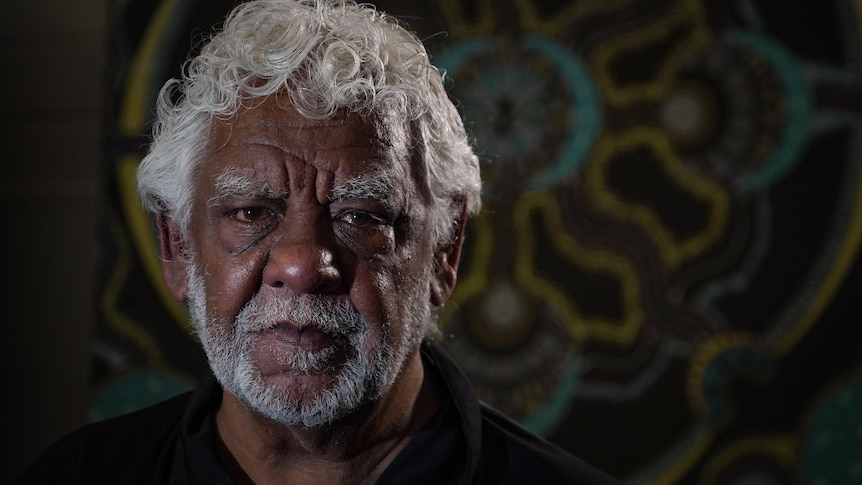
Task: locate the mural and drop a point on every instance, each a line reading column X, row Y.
column 663, row 278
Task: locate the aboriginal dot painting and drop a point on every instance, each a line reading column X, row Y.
column 663, row 278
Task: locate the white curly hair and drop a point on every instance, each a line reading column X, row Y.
column 329, row 57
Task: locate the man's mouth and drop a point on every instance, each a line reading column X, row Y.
column 287, row 348
column 307, row 336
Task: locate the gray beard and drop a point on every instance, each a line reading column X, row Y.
column 369, row 371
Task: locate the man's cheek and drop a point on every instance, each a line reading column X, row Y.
column 232, row 282
column 371, row 293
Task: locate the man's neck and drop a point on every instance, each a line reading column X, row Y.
column 358, row 449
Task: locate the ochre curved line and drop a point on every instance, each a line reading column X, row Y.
column 113, row 316
column 844, row 260
column 781, row 447
column 132, row 121
column 459, row 27
column 474, row 279
column 705, row 355
column 560, row 21
column 133, row 114
column 579, row 326
column 673, row 251
column 681, row 465
column 686, row 13
column 847, row 256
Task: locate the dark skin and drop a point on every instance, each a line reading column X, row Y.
column 283, row 233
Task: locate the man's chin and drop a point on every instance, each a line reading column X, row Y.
column 305, row 398
column 312, row 409
column 300, row 385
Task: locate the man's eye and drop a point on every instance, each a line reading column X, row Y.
column 250, row 215
column 361, row 218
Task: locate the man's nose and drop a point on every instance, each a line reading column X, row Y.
column 302, row 263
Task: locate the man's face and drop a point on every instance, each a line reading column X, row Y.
column 309, row 260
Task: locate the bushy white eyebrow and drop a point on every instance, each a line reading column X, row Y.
column 233, row 184
column 376, row 185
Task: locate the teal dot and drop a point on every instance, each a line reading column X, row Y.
column 832, row 449
column 135, row 391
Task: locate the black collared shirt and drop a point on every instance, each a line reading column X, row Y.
column 173, row 443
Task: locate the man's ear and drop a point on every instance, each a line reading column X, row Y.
column 446, row 260
column 175, row 259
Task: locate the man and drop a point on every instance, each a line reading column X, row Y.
column 311, row 183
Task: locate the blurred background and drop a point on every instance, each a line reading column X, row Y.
column 51, row 170
column 663, row 280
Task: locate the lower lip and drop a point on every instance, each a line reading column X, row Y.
column 308, row 337
column 286, row 339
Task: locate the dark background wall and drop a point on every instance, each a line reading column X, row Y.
column 664, row 278
column 52, row 56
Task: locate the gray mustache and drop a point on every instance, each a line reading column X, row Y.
column 334, row 316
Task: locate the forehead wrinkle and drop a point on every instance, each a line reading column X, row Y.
column 234, row 184
column 375, row 185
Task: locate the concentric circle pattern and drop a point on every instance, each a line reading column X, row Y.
column 663, row 279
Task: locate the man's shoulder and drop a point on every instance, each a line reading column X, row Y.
column 506, row 451
column 127, row 442
column 529, row 456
